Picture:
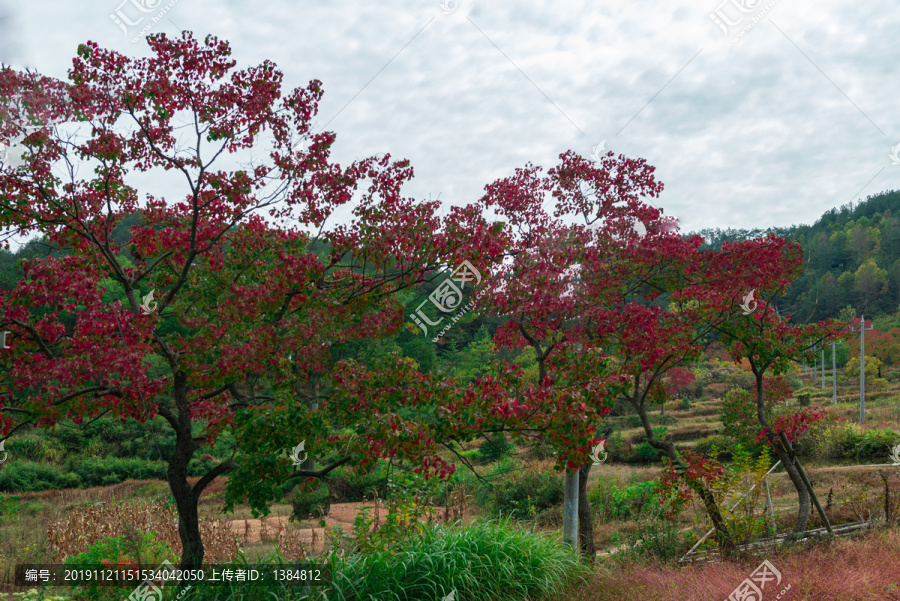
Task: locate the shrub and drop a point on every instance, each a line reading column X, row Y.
column 146, row 552
column 611, row 502
column 718, row 446
column 527, row 493
column 739, row 416
column 876, row 443
column 495, row 448
column 620, row 449
column 646, row 453
column 314, row 504
column 880, row 384
column 94, row 471
column 28, row 476
column 739, row 419
column 656, row 539
column 739, row 378
column 542, row 450
column 26, row 448
column 850, row 439
column 851, row 372
column 632, row 421
column 351, row 485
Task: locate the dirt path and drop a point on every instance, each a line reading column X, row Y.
column 253, row 531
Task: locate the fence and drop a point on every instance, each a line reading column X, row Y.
column 692, row 555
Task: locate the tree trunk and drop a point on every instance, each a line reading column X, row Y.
column 726, row 544
column 802, row 494
column 782, row 454
column 185, row 501
column 312, row 403
column 585, row 525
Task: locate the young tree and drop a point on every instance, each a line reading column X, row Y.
column 551, row 298
column 767, row 340
column 236, row 292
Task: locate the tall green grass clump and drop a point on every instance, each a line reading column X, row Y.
column 488, row 561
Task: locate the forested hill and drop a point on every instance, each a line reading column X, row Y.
column 852, row 257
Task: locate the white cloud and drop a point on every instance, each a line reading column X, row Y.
column 790, row 121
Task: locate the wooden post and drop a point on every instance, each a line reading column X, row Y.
column 771, row 508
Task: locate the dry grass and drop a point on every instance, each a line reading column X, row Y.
column 79, row 527
column 862, row 569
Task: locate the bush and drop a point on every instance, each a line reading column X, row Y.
column 876, row 443
column 26, row 448
column 526, row 494
column 611, row 502
column 849, row 441
column 94, row 471
column 542, row 450
column 656, row 539
column 738, row 378
column 646, row 453
column 315, row 504
column 28, row 476
column 144, row 552
column 495, row 448
column 717, row 446
column 348, row 485
column 109, row 436
column 620, row 449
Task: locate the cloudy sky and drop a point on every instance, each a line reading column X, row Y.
column 755, row 113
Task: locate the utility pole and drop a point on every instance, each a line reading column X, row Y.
column 833, row 375
column 862, row 366
column 823, row 368
column 815, row 371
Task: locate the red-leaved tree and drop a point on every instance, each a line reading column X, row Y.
column 222, row 311
column 768, row 341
